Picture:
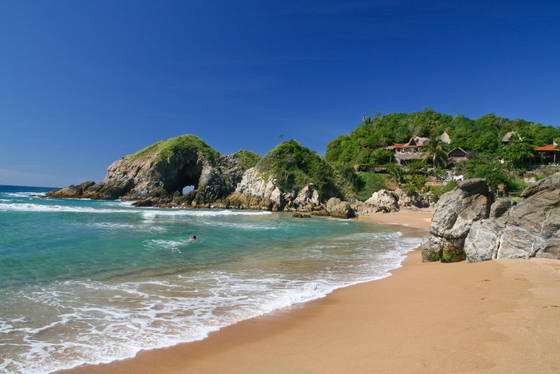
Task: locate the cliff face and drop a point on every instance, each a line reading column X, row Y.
column 467, row 225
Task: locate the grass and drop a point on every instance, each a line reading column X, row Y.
column 164, row 149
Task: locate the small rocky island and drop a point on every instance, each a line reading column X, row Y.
column 468, row 224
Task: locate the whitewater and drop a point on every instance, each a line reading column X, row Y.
column 85, row 281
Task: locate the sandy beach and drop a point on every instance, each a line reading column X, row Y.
column 489, row 317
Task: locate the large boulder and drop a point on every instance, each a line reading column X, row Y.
column 454, row 214
column 306, row 200
column 384, row 201
column 530, row 228
column 387, row 201
column 340, row 209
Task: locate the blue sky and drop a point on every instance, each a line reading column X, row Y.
column 83, row 83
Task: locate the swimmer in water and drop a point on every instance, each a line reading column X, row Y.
column 192, row 238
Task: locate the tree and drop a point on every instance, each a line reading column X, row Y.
column 366, row 120
column 435, row 151
column 396, row 172
column 517, row 153
column 492, row 171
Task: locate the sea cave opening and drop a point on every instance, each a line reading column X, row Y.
column 187, row 189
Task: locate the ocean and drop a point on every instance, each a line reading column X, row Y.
column 84, row 281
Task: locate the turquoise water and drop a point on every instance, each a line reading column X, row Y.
column 94, row 281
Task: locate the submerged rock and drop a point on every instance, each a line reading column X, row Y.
column 301, row 215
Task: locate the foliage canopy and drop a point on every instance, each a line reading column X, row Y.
column 293, row 166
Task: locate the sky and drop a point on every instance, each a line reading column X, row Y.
column 83, row 83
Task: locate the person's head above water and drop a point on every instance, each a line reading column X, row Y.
column 192, row 237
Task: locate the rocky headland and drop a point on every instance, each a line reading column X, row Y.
column 289, row 178
column 468, row 223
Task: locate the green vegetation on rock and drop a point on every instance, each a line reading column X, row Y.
column 164, row 149
column 293, row 166
column 452, row 254
column 247, row 159
column 369, row 183
column 429, row 255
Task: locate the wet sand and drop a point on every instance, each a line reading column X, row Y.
column 491, row 317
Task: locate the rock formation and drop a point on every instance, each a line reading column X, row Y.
column 453, row 216
column 466, row 225
column 159, row 172
column 340, row 209
column 290, row 177
column 256, row 191
column 530, row 228
column 386, row 201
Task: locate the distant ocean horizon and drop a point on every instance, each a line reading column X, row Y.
column 87, row 281
column 6, row 187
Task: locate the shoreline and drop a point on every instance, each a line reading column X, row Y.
column 412, row 321
column 411, row 223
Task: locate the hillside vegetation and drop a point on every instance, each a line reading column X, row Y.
column 293, row 166
column 364, row 145
column 357, row 164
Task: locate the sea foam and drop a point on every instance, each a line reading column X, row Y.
column 134, row 316
column 148, row 213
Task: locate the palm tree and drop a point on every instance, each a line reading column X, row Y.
column 435, row 151
column 367, row 120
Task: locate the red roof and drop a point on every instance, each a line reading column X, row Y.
column 397, row 146
column 550, row 147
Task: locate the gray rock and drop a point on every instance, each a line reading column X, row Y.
column 340, row 209
column 384, row 201
column 548, row 184
column 500, row 207
column 518, row 242
column 481, row 243
column 412, row 199
column 453, row 216
column 551, row 249
column 456, row 210
column 255, row 187
column 529, row 229
column 306, row 200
